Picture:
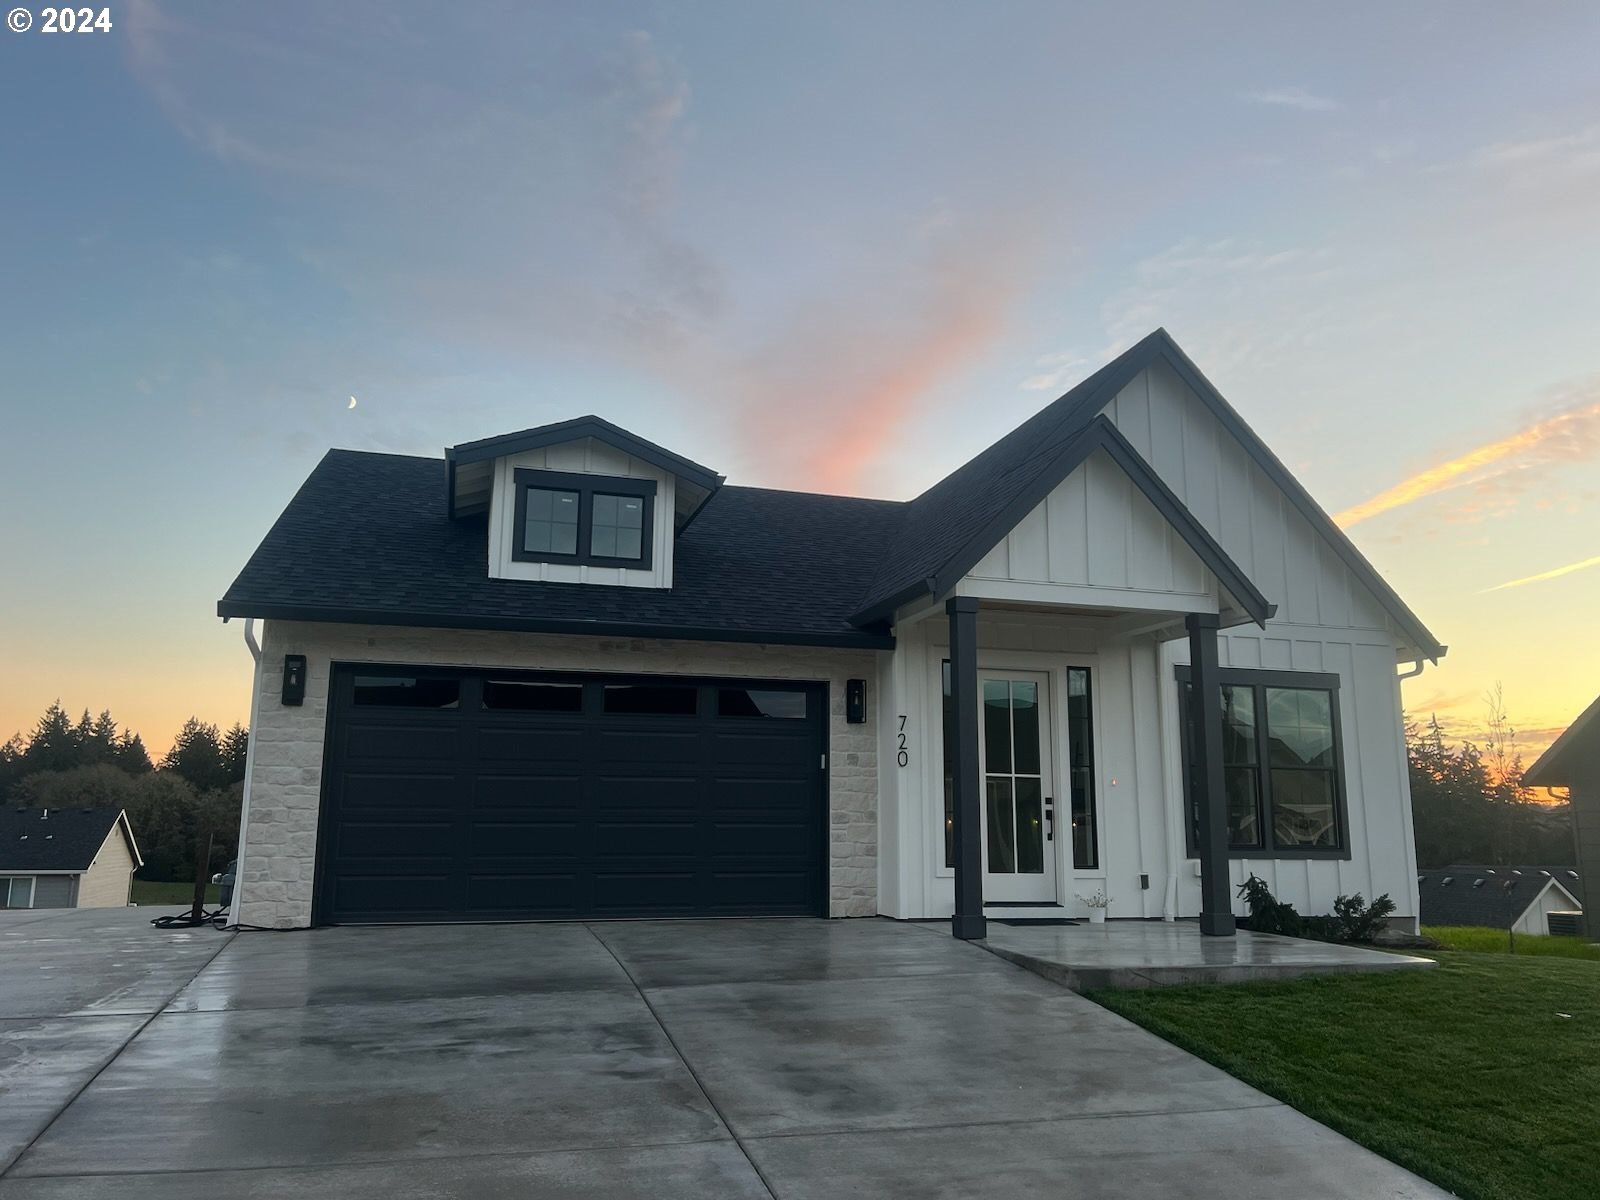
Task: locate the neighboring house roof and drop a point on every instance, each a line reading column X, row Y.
column 367, row 539
column 58, row 839
column 1460, row 902
column 952, row 525
column 370, row 538
column 1575, row 754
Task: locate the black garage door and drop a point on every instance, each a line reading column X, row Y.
column 461, row 796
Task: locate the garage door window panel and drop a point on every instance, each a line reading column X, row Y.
column 651, row 699
column 765, row 703
column 406, row 691
column 520, row 695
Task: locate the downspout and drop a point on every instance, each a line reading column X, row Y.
column 236, row 904
column 1416, row 669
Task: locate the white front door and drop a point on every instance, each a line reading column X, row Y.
column 1019, row 853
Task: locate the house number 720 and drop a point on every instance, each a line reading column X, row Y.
column 904, row 756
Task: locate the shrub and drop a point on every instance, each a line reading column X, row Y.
column 1352, row 919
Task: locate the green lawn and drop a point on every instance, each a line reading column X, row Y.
column 1482, row 1075
column 149, row 892
column 1484, row 940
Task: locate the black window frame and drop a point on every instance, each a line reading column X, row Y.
column 1061, row 774
column 1258, row 681
column 587, row 487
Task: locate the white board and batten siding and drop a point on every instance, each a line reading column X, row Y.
column 1327, row 621
column 590, row 457
column 1232, row 497
column 1097, row 541
column 1096, row 535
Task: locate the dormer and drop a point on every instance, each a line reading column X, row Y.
column 579, row 501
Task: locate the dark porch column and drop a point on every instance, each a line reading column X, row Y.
column 1205, row 709
column 968, row 922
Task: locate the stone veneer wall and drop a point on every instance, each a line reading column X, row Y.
column 276, row 877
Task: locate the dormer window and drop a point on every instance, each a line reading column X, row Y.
column 594, row 520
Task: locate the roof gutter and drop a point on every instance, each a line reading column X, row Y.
column 845, row 639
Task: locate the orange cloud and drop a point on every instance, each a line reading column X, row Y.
column 819, row 404
column 1570, row 436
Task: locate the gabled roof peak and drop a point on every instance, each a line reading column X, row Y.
column 590, row 426
column 697, row 483
column 952, row 524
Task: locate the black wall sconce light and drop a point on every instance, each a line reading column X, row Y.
column 294, row 679
column 855, row 701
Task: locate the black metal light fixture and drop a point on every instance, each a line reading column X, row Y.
column 855, row 701
column 294, row 679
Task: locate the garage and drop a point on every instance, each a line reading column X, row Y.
column 455, row 795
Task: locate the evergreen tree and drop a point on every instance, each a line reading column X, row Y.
column 100, row 740
column 1469, row 807
column 11, row 764
column 235, row 749
column 197, row 756
column 130, row 754
column 54, row 743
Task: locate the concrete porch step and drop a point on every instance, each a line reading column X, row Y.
column 1026, row 912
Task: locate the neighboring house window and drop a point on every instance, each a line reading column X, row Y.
column 1282, row 757
column 595, row 520
column 16, row 891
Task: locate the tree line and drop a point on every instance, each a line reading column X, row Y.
column 93, row 763
column 1469, row 804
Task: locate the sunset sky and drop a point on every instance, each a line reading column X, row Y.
column 838, row 247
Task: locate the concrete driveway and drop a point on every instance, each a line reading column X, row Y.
column 663, row 1060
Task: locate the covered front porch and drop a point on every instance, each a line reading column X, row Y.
column 994, row 835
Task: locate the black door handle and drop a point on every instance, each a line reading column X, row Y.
column 1049, row 819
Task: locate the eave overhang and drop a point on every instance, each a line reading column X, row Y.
column 855, row 639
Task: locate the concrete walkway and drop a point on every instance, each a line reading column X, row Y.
column 1139, row 954
column 799, row 1059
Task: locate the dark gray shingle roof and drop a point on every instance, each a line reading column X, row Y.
column 1492, row 904
column 368, row 539
column 65, row 840
column 367, row 536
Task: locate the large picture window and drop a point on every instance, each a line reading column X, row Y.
column 594, row 520
column 1281, row 764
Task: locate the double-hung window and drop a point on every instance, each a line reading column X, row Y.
column 593, row 520
column 1282, row 764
